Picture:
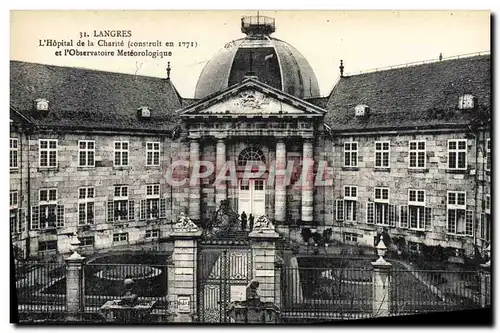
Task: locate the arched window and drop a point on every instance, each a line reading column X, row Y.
column 250, row 154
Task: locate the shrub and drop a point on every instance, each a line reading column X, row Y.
column 306, row 234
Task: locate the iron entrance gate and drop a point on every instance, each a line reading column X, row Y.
column 224, row 270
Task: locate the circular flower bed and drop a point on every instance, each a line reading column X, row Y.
column 136, row 272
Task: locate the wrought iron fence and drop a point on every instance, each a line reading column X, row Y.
column 420, row 291
column 325, row 293
column 104, row 282
column 34, row 290
column 303, row 292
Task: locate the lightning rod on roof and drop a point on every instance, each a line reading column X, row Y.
column 168, row 70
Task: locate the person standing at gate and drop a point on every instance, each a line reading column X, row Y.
column 243, row 221
column 250, row 222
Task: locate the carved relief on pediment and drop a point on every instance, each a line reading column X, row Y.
column 253, row 100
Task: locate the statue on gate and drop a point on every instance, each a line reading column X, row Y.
column 263, row 224
column 185, row 224
column 225, row 221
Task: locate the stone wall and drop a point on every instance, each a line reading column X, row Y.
column 435, row 179
column 67, row 177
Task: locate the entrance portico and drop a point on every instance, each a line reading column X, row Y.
column 250, row 127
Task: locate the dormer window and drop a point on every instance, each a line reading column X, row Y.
column 41, row 104
column 143, row 112
column 361, row 110
column 466, row 102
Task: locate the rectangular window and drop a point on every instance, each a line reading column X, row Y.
column 370, row 208
column 381, row 194
column 86, row 241
column 486, row 227
column 244, row 185
column 50, row 214
column 382, row 154
column 417, row 154
column 350, row 203
column 86, row 153
column 48, row 153
column 350, row 237
column 384, row 213
column 488, row 155
column 403, row 216
column 14, row 211
column 47, row 246
column 457, row 154
column 152, row 153
column 487, row 205
column 120, row 209
column 416, row 209
column 152, row 201
column 121, row 153
column 86, row 205
column 120, row 237
column 486, row 220
column 14, row 199
column 459, row 220
column 351, row 154
column 155, row 233
column 13, row 154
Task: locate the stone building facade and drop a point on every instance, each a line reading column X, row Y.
column 403, row 150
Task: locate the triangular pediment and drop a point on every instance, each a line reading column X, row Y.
column 252, row 98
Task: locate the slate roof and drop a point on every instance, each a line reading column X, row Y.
column 90, row 99
column 419, row 96
column 318, row 101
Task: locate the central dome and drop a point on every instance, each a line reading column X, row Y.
column 271, row 60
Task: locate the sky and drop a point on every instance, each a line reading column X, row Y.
column 362, row 39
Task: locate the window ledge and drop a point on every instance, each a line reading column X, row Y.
column 14, row 170
column 457, row 171
column 347, row 168
column 379, row 169
column 418, row 231
column 418, row 170
column 46, row 169
column 121, row 224
column 457, row 235
column 84, row 168
column 152, row 166
column 120, row 168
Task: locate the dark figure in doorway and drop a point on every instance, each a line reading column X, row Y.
column 250, row 222
column 243, row 221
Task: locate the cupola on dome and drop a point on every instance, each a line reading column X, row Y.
column 268, row 59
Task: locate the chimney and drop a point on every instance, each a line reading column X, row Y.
column 440, row 56
column 341, row 67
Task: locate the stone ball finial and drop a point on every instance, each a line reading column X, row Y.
column 254, row 284
column 128, row 284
